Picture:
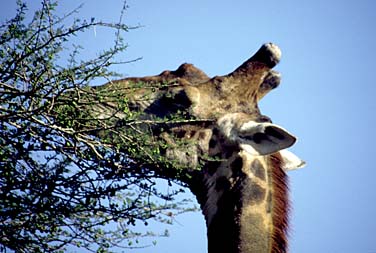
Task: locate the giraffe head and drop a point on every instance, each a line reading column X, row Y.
column 231, row 103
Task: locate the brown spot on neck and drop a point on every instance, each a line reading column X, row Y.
column 258, row 170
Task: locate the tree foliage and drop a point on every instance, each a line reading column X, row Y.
column 60, row 185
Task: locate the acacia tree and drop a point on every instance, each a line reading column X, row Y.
column 61, row 186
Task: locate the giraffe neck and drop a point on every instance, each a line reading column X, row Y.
column 246, row 205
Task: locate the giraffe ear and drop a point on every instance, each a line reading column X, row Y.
column 264, row 138
column 290, row 161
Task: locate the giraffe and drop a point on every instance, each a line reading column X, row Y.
column 242, row 188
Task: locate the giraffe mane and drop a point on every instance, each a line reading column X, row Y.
column 281, row 205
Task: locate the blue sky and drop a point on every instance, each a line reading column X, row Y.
column 326, row 98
